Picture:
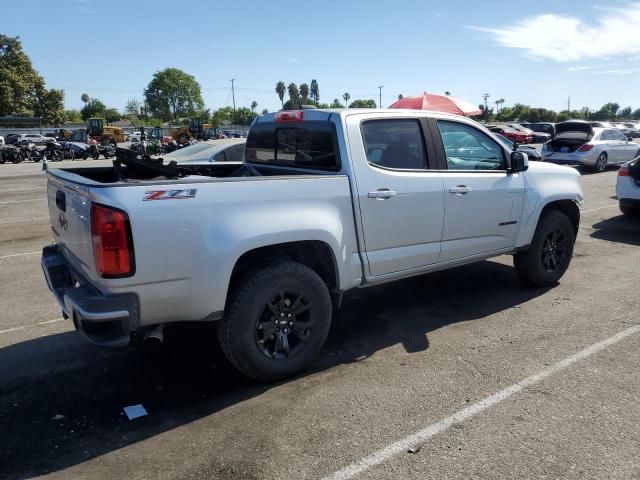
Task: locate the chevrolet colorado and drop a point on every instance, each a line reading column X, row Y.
column 324, row 201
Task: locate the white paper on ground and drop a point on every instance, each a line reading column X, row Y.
column 135, row 411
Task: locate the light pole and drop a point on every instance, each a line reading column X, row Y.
column 233, row 94
column 380, row 95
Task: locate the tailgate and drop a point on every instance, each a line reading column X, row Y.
column 70, row 217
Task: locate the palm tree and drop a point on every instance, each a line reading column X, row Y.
column 497, row 102
column 447, row 93
column 314, row 91
column 400, row 97
column 254, row 104
column 346, row 97
column 85, row 98
column 281, row 89
column 304, row 92
column 294, row 95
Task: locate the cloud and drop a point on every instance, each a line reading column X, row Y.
column 618, row 71
column 292, row 60
column 610, row 32
column 583, row 68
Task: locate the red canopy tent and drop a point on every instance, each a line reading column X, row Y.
column 438, row 103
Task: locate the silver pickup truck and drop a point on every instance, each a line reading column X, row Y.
column 325, row 201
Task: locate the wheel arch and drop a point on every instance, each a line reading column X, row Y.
column 568, row 207
column 315, row 254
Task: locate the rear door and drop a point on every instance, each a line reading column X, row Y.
column 483, row 202
column 626, row 149
column 400, row 198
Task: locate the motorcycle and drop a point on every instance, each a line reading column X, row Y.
column 53, row 151
column 11, row 154
column 29, row 151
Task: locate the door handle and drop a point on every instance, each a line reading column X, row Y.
column 382, row 194
column 460, row 190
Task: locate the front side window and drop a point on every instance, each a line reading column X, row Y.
column 467, row 148
column 394, row 143
column 618, row 135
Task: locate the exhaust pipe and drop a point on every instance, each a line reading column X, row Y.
column 155, row 335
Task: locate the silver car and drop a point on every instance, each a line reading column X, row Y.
column 579, row 143
column 222, row 150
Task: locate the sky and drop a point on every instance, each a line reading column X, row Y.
column 538, row 53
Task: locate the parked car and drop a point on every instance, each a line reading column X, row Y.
column 599, row 124
column 512, row 134
column 34, row 138
column 634, row 129
column 134, row 136
column 628, row 187
column 223, row 150
column 542, row 127
column 579, row 143
column 530, row 151
column 268, row 249
column 74, row 150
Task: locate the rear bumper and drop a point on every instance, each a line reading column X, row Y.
column 103, row 320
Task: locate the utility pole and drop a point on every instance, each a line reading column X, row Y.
column 380, row 96
column 233, row 94
column 486, row 105
column 569, row 104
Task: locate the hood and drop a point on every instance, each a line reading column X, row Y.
column 544, row 168
column 574, row 126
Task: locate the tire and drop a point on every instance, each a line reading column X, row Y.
column 601, row 163
column 550, row 252
column 629, row 211
column 258, row 335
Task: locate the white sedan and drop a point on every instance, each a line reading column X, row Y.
column 222, row 150
column 628, row 187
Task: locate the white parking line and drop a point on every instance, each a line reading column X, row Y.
column 39, row 324
column 23, row 201
column 20, row 254
column 423, row 435
column 600, row 208
column 5, row 190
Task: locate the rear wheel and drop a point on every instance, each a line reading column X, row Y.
column 550, row 252
column 277, row 321
column 601, row 163
column 629, row 210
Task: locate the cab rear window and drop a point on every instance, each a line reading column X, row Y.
column 308, row 145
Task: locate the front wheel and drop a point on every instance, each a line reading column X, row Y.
column 550, row 252
column 277, row 321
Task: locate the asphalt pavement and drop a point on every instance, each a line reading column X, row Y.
column 465, row 373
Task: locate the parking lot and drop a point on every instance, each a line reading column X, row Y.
column 465, row 373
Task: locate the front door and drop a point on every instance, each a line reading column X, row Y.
column 483, row 203
column 401, row 204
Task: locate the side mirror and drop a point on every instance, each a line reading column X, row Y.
column 629, row 139
column 519, row 162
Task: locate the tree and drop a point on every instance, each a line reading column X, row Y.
column 22, row 89
column 112, row 115
column 72, row 116
column 223, row 116
column 254, row 104
column 132, row 109
column 336, row 104
column 625, row 113
column 93, row 108
column 363, row 104
column 264, row 112
column 304, row 92
column 294, row 95
column 173, row 93
column 346, row 97
column 244, row 116
column 85, row 98
column 281, row 89
column 314, row 91
column 447, row 93
column 636, row 114
column 400, row 96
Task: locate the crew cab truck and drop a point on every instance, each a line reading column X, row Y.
column 325, row 201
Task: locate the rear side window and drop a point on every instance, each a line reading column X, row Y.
column 395, row 143
column 235, row 153
column 310, row 145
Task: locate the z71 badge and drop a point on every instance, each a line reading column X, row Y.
column 169, row 194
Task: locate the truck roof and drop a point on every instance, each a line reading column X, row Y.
column 320, row 114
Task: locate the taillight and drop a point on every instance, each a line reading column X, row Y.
column 585, row 148
column 112, row 242
column 290, row 116
column 624, row 171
